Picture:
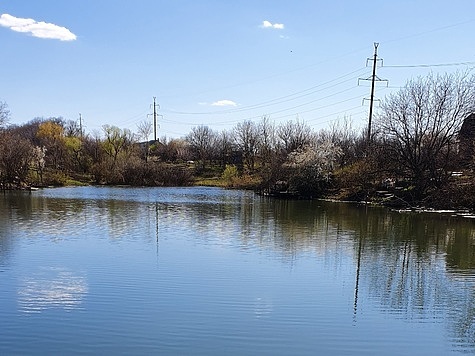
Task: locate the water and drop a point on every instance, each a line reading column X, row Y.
column 206, row 271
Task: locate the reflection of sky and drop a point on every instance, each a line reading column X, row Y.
column 263, row 307
column 51, row 288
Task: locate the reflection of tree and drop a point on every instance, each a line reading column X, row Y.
column 414, row 265
column 402, row 259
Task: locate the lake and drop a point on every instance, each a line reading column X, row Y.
column 208, row 271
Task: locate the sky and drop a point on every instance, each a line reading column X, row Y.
column 218, row 63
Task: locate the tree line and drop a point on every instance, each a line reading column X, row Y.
column 410, row 158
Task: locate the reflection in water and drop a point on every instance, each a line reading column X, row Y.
column 262, row 308
column 51, row 289
column 416, row 267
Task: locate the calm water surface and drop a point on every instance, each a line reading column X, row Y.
column 206, row 271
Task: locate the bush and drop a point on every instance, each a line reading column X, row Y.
column 356, row 180
column 457, row 194
column 172, row 175
column 55, row 178
column 230, row 175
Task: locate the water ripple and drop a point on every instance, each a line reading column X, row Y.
column 51, row 288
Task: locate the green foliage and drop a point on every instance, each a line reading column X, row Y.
column 356, row 180
column 55, row 178
column 230, row 175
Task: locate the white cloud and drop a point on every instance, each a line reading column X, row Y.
column 268, row 24
column 224, row 103
column 36, row 29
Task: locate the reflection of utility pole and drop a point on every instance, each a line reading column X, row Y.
column 358, row 269
column 374, row 78
column 156, row 225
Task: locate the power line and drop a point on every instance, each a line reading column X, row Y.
column 429, row 31
column 279, row 100
column 429, row 65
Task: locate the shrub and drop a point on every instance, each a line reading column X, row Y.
column 230, row 175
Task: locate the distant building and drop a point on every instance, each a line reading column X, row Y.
column 467, row 142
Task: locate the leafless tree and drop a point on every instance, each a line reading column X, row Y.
column 15, row 156
column 419, row 124
column 145, row 130
column 202, row 141
column 294, row 135
column 246, row 135
column 72, row 129
column 268, row 140
column 350, row 140
column 225, row 147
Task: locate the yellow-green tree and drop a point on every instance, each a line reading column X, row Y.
column 51, row 135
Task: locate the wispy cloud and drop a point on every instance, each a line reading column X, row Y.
column 36, row 29
column 268, row 24
column 224, row 103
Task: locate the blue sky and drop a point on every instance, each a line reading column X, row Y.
column 216, row 62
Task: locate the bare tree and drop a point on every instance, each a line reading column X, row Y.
column 225, row 147
column 268, row 140
column 246, row 135
column 294, row 135
column 145, row 130
column 350, row 140
column 15, row 156
column 72, row 129
column 419, row 125
column 202, row 141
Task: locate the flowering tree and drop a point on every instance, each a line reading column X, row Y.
column 4, row 114
column 310, row 168
column 38, row 160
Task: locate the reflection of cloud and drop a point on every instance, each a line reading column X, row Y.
column 262, row 308
column 51, row 288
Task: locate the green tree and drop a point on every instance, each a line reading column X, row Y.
column 230, row 175
column 51, row 135
column 117, row 142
